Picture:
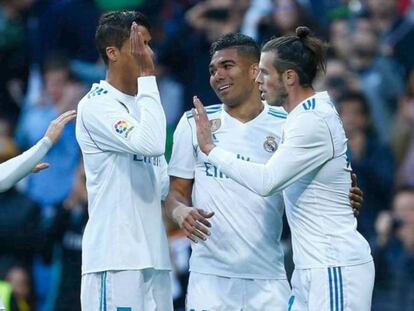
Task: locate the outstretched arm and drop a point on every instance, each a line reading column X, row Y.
column 307, row 146
column 16, row 168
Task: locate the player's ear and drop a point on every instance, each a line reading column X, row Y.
column 112, row 53
column 254, row 71
column 290, row 77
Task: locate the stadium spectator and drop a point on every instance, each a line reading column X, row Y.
column 284, row 18
column 403, row 136
column 396, row 32
column 60, row 94
column 13, row 56
column 371, row 159
column 380, row 80
column 22, row 294
column 67, row 231
column 339, row 36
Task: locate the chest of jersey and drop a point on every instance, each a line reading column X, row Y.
column 255, row 141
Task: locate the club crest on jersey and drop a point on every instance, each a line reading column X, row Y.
column 270, row 144
column 215, row 124
column 123, row 128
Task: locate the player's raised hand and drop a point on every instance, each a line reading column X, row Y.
column 193, row 221
column 56, row 127
column 356, row 196
column 141, row 52
column 205, row 142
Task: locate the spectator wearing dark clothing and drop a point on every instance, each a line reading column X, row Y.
column 380, row 77
column 69, row 27
column 396, row 32
column 394, row 255
column 69, row 225
column 371, row 160
column 284, row 18
column 14, row 56
column 21, row 233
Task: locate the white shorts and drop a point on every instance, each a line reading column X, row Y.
column 129, row 290
column 333, row 289
column 215, row 293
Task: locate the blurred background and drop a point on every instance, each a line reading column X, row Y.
column 48, row 61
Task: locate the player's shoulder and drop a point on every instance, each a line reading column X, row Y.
column 98, row 96
column 320, row 104
column 98, row 91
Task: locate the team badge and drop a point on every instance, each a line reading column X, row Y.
column 270, row 144
column 215, row 124
column 123, row 128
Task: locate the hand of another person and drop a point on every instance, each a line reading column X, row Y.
column 193, row 222
column 57, row 126
column 40, row 167
column 141, row 52
column 205, row 142
column 383, row 227
column 356, row 196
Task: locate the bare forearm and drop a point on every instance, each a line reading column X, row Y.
column 174, row 200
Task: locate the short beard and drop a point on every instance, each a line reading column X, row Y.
column 281, row 99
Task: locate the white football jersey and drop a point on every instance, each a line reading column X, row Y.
column 122, row 139
column 246, row 228
column 311, row 166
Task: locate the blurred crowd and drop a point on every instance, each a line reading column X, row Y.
column 48, row 61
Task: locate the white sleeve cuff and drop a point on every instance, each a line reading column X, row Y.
column 46, row 142
column 181, row 172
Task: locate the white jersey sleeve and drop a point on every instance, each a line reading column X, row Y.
column 183, row 159
column 15, row 169
column 307, row 146
column 114, row 129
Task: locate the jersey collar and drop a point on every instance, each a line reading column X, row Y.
column 117, row 94
column 318, row 96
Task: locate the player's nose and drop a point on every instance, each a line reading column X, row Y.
column 259, row 78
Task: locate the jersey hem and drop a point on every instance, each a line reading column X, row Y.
column 238, row 276
column 346, row 264
column 125, row 269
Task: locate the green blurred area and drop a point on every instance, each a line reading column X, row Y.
column 169, row 142
column 115, row 5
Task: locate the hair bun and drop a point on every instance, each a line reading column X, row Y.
column 302, row 32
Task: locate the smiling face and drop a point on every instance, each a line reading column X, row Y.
column 232, row 76
column 270, row 81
